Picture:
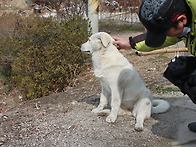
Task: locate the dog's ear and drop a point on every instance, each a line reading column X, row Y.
column 105, row 39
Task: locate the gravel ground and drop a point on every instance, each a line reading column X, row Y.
column 51, row 122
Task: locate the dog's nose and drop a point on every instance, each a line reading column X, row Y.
column 81, row 47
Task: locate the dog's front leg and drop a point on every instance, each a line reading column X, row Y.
column 105, row 95
column 115, row 106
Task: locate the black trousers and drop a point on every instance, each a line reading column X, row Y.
column 182, row 73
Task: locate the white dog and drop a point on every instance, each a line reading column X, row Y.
column 120, row 82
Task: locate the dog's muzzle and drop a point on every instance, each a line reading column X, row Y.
column 84, row 51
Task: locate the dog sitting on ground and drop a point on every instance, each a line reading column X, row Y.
column 120, row 82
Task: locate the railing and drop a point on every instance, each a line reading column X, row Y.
column 125, row 10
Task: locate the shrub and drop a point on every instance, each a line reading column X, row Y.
column 46, row 53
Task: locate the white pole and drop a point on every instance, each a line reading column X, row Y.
column 93, row 14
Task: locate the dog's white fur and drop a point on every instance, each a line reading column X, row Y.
column 120, row 82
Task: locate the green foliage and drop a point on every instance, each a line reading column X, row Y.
column 116, row 25
column 163, row 89
column 45, row 53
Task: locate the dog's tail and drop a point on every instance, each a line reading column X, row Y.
column 160, row 106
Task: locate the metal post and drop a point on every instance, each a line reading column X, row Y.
column 93, row 14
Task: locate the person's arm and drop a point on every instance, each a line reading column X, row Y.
column 141, row 46
column 121, row 43
column 134, row 40
column 138, row 43
column 128, row 44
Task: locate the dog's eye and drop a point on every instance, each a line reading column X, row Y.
column 99, row 39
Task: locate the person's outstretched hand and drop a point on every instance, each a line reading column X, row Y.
column 121, row 43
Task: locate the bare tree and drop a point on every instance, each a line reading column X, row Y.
column 52, row 4
column 65, row 7
column 74, row 7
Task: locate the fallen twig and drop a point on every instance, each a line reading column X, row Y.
column 160, row 51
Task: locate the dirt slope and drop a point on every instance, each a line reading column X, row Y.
column 65, row 119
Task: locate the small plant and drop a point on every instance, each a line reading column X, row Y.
column 163, row 89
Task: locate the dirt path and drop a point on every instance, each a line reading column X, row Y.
column 65, row 119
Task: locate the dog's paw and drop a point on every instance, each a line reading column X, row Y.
column 96, row 110
column 111, row 119
column 138, row 128
column 104, row 112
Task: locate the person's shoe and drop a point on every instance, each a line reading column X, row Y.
column 192, row 127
